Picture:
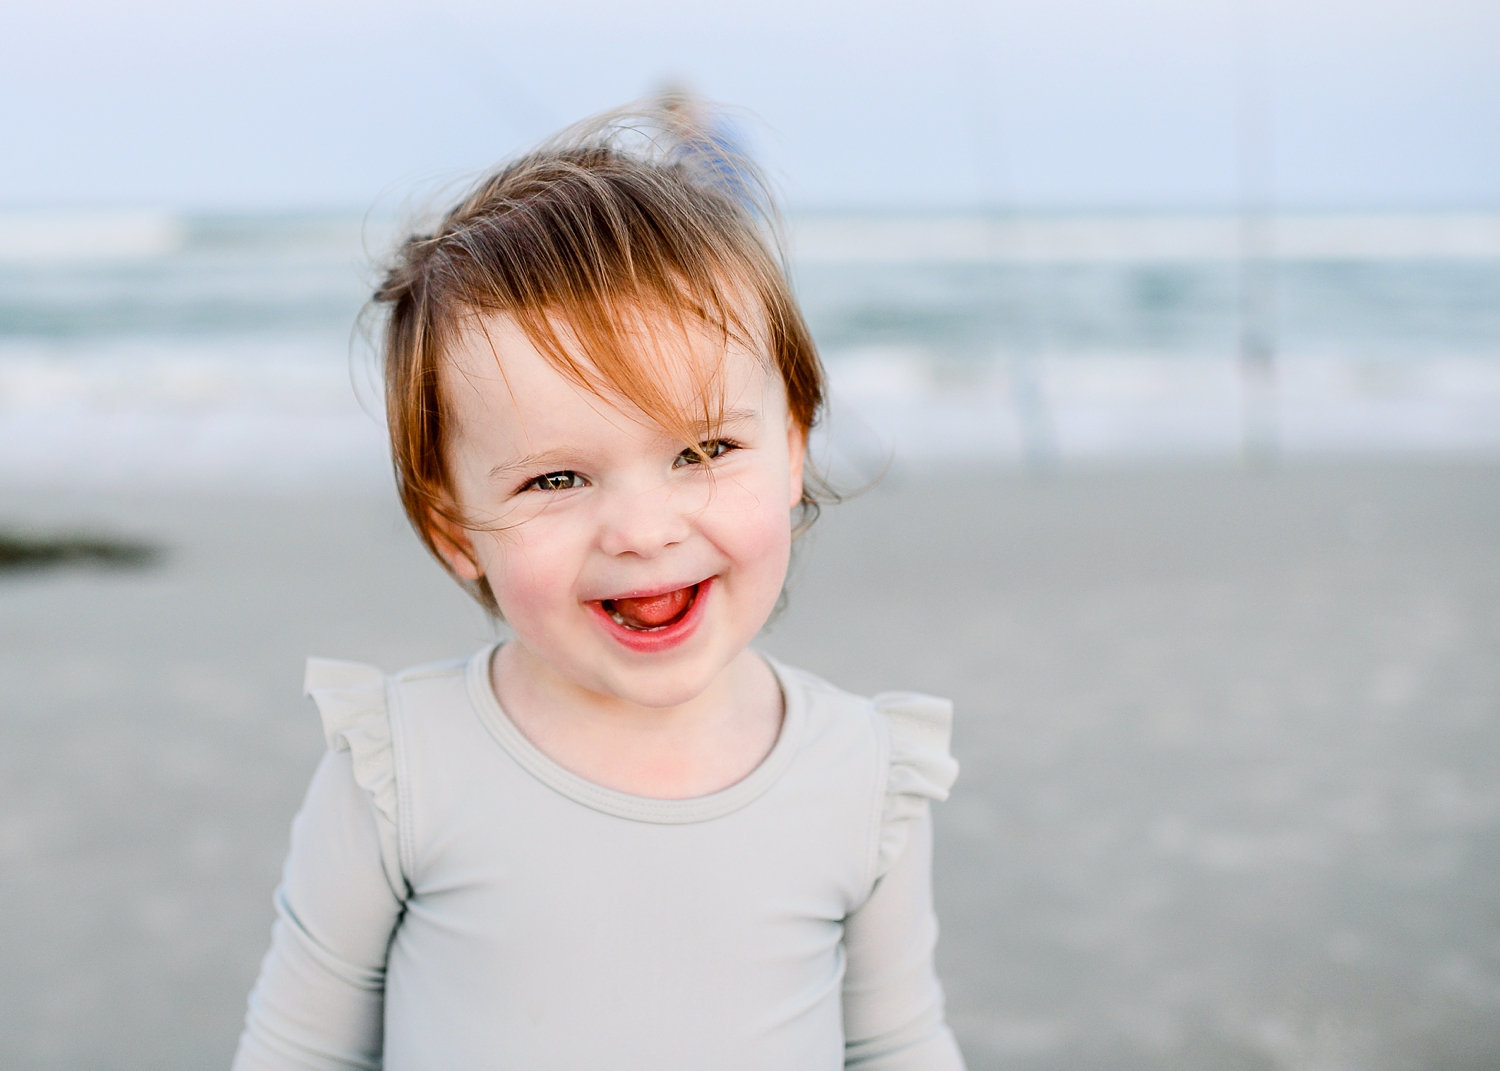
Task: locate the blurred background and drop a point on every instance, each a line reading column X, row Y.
column 1080, row 232
column 1173, row 330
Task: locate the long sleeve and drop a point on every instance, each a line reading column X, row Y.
column 893, row 1002
column 318, row 1001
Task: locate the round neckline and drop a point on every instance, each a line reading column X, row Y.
column 624, row 804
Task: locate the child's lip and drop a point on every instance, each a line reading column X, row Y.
column 664, row 637
column 651, row 592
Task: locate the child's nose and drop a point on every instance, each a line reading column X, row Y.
column 643, row 521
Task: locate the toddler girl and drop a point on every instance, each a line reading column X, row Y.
column 621, row 838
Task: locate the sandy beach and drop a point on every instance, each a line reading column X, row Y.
column 1230, row 744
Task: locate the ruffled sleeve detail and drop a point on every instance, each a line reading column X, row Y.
column 921, row 768
column 351, row 700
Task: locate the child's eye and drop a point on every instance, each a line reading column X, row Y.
column 555, row 481
column 707, row 450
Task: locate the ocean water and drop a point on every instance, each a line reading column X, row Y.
column 145, row 348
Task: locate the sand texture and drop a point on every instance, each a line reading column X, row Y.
column 1230, row 743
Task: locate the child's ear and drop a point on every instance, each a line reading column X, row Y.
column 454, row 545
column 796, row 442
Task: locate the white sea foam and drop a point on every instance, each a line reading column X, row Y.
column 187, row 417
column 1123, row 407
column 158, row 415
column 65, row 237
column 998, row 238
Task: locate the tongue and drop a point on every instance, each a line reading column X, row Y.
column 654, row 610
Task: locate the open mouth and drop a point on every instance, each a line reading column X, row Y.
column 651, row 613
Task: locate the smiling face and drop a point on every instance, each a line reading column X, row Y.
column 631, row 570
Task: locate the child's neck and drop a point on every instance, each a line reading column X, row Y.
column 680, row 752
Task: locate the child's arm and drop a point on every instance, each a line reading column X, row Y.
column 893, row 1002
column 319, row 1000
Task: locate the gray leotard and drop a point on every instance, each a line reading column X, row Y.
column 454, row 899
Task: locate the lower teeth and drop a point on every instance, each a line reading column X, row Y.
column 619, row 619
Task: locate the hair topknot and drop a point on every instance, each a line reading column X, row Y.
column 626, row 220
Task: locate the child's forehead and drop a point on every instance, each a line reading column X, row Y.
column 640, row 345
column 667, row 369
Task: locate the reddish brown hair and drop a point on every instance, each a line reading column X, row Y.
column 611, row 227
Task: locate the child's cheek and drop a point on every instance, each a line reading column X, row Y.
column 758, row 523
column 529, row 570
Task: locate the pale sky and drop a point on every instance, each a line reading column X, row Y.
column 892, row 103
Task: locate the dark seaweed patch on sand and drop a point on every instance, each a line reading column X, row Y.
column 31, row 551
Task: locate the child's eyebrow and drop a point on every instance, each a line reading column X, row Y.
column 729, row 416
column 532, row 464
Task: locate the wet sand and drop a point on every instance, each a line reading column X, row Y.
column 1230, row 745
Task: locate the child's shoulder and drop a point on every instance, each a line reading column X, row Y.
column 349, row 695
column 374, row 715
column 337, row 674
column 387, row 730
column 914, row 723
column 903, row 736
